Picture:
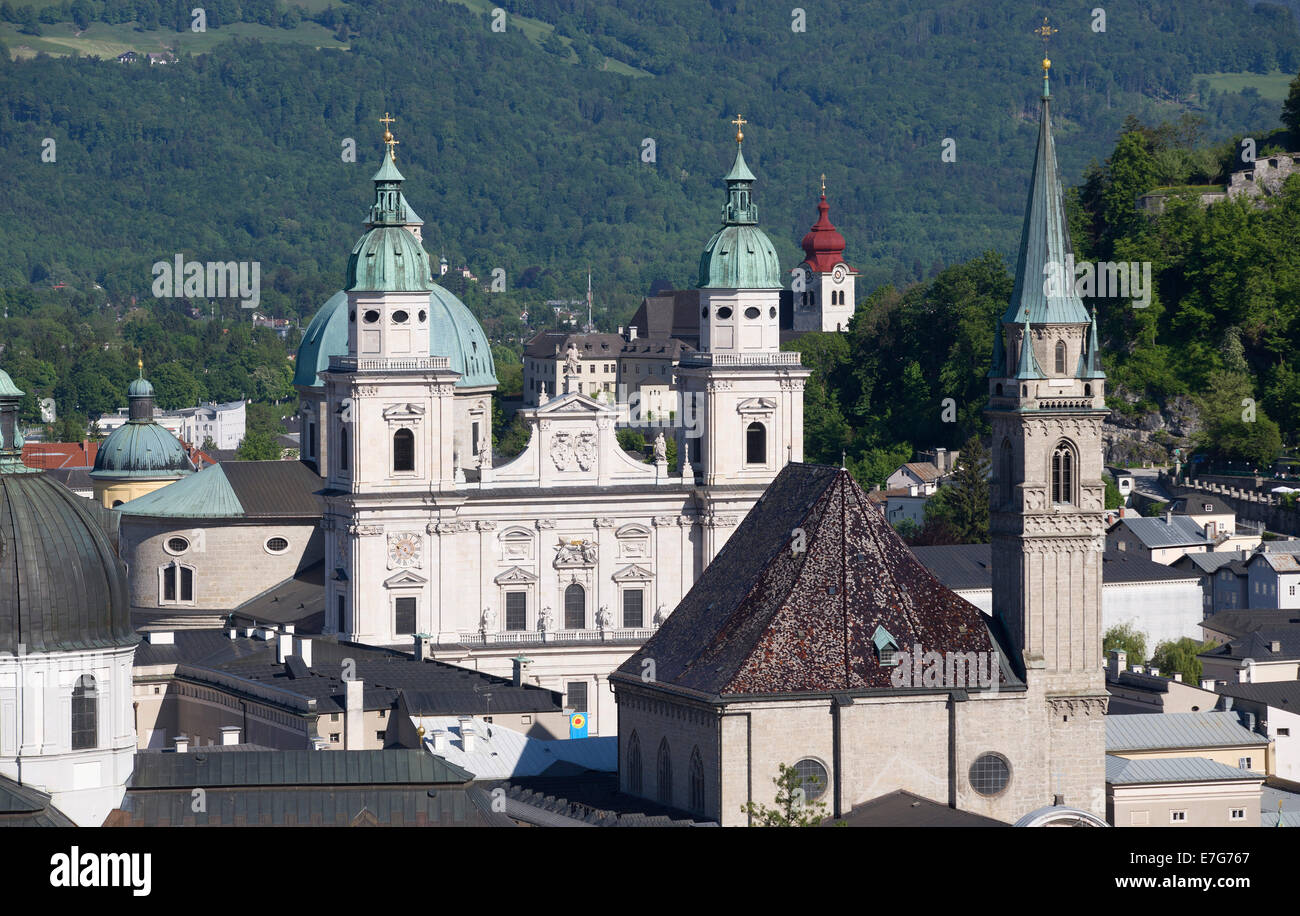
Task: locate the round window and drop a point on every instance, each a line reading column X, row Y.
column 400, row 317
column 813, row 778
column 371, row 316
column 423, row 315
column 724, row 312
column 751, row 313
column 277, row 545
column 989, row 774
column 177, row 545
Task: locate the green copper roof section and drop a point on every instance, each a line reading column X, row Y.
column 999, row 367
column 11, row 433
column 1044, row 242
column 740, row 255
column 326, row 336
column 1027, row 367
column 388, row 258
column 140, row 450
column 207, row 494
column 1090, row 361
column 387, row 171
column 7, row 386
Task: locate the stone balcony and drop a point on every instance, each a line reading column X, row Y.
column 388, row 363
column 780, row 358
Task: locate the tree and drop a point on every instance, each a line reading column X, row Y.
column 1128, row 639
column 175, row 386
column 1180, row 656
column 1113, row 498
column 258, row 446
column 1232, row 424
column 1291, row 109
column 960, row 508
column 792, row 806
column 209, row 445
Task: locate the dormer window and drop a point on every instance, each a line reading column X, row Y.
column 886, row 647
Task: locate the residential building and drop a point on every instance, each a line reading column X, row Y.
column 1180, row 792
column 1161, row 540
column 1273, row 576
column 1276, row 707
column 1134, row 689
column 1270, row 653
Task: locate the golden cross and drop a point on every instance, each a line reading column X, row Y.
column 1046, row 31
column 388, row 136
column 739, row 122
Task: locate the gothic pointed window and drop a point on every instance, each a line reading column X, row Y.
column 404, row 450
column 697, row 780
column 1063, row 474
column 634, row 764
column 665, row 773
column 575, row 607
column 85, row 700
column 1060, row 357
column 756, row 444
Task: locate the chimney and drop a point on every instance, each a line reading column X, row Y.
column 283, row 647
column 468, row 736
column 182, row 744
column 631, row 332
column 229, row 735
column 520, row 665
column 1207, row 683
column 440, row 742
column 1169, row 517
column 354, row 717
column 1058, row 800
column 423, row 647
column 233, row 632
column 1225, row 702
column 1275, row 646
column 1178, row 676
column 1153, row 671
column 319, row 744
column 161, row 637
column 1118, row 662
column 288, row 628
column 1247, row 719
column 302, row 649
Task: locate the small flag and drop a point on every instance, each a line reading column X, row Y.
column 578, row 725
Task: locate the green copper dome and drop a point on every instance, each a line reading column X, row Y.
column 740, row 255
column 389, row 258
column 326, row 336
column 140, row 388
column 140, row 447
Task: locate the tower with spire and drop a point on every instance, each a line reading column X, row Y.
column 1046, row 408
column 749, row 393
column 823, row 285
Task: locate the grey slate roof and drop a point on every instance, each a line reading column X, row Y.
column 1240, row 622
column 1278, row 694
column 236, row 489
column 901, row 808
column 1155, row 731
column 1121, row 771
column 1195, row 505
column 1211, row 562
column 969, row 566
column 1154, row 533
column 23, row 806
column 299, row 600
column 1258, row 645
column 294, row 768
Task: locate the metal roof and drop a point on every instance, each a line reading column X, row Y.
column 1258, row 645
column 901, row 808
column 23, row 806
column 1283, row 695
column 294, row 768
column 1177, row 531
column 1239, row 623
column 503, row 753
column 1121, row 771
column 969, row 566
column 236, row 489
column 1155, row 731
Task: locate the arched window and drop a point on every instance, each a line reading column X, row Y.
column 177, row 583
column 343, row 448
column 1007, row 471
column 634, row 764
column 697, row 780
column 575, row 607
column 1063, row 474
column 756, row 444
column 1060, row 357
column 403, row 450
column 665, row 770
column 85, row 698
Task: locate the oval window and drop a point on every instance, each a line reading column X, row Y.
column 724, row 312
column 771, row 313
column 276, row 545
column 177, row 545
column 423, row 315
column 751, row 313
column 989, row 774
column 400, row 317
column 371, row 316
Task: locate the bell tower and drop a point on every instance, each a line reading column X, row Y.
column 1046, row 408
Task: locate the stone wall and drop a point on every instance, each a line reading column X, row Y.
column 1249, row 504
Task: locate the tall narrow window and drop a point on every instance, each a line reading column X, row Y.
column 634, row 764
column 403, row 450
column 516, row 610
column 311, row 440
column 1007, row 471
column 177, row 583
column 84, row 714
column 1060, row 357
column 633, row 607
column 473, row 439
column 343, row 623
column 756, row 444
column 575, row 607
column 697, row 781
column 343, row 448
column 1063, row 474
column 665, row 770
column 405, row 611
column 576, row 696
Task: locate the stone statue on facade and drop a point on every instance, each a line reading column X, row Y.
column 572, row 366
column 488, row 622
column 660, row 448
column 661, row 614
column 546, row 620
column 604, row 619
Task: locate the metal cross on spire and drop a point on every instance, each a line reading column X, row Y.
column 739, row 122
column 389, row 140
column 823, row 184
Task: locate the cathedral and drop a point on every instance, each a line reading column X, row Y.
column 816, row 640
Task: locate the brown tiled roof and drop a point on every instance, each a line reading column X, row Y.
column 50, row 455
column 764, row 619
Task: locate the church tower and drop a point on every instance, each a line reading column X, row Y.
column 749, row 393
column 823, row 284
column 1046, row 408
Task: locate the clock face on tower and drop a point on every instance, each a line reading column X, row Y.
column 839, row 273
column 403, row 550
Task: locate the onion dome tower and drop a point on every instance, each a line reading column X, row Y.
column 66, row 642
column 823, row 284
column 139, row 456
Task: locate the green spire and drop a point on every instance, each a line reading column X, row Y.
column 1027, row 367
column 741, row 210
column 1090, row 362
column 11, row 435
column 999, row 367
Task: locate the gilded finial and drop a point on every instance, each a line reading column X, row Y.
column 389, row 141
column 739, row 122
column 1045, row 32
column 139, row 364
column 823, row 184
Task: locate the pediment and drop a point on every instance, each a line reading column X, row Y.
column 515, row 575
column 632, row 530
column 403, row 411
column 405, row 578
column 573, row 403
column 756, row 405
column 633, row 573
